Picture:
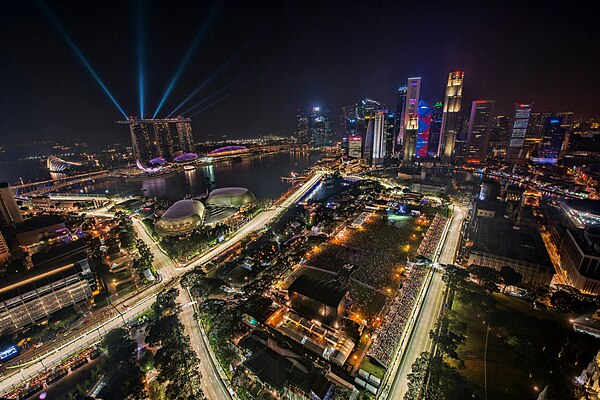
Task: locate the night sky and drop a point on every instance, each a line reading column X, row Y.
column 285, row 55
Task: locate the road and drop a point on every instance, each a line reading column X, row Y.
column 429, row 309
column 211, row 383
column 142, row 301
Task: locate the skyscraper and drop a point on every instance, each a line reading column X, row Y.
column 435, row 129
column 374, row 144
column 9, row 210
column 553, row 137
column 320, row 128
column 399, row 124
column 163, row 139
column 302, row 127
column 390, row 134
column 184, row 136
column 423, row 131
column 411, row 118
column 499, row 135
column 143, row 146
column 516, row 152
column 478, row 135
column 452, row 107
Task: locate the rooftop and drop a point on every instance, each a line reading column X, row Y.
column 329, row 293
column 497, row 236
column 183, row 208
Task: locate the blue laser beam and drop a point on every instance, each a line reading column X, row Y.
column 55, row 21
column 141, row 54
column 187, row 56
column 223, row 97
column 204, row 100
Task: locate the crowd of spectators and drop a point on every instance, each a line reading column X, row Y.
column 387, row 336
column 52, row 375
column 432, row 237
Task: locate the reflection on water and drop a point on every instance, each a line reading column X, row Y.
column 262, row 175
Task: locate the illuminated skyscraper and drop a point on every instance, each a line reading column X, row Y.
column 9, row 210
column 184, row 136
column 144, row 148
column 553, row 138
column 411, row 118
column 423, row 131
column 374, row 144
column 452, row 107
column 435, row 129
column 478, row 136
column 517, row 152
column 390, row 134
column 499, row 135
column 164, row 139
column 320, row 128
column 399, row 124
column 302, row 127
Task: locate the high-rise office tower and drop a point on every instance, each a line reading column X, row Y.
column 567, row 124
column 499, row 135
column 320, row 128
column 143, row 146
column 423, row 130
column 452, row 107
column 390, row 134
column 553, row 138
column 399, row 130
column 462, row 129
column 478, row 135
column 4, row 250
column 348, row 125
column 374, row 144
column 355, row 146
column 516, row 151
column 435, row 129
column 184, row 135
column 9, row 210
column 411, row 118
column 302, row 127
column 164, row 139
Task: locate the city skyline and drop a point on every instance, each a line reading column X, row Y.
column 253, row 73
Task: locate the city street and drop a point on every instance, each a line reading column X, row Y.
column 428, row 310
column 212, row 384
column 142, row 301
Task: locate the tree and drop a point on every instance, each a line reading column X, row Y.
column 510, row 276
column 121, row 368
column 489, row 277
column 416, row 378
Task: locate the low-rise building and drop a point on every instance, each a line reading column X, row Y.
column 497, row 242
column 580, row 259
column 59, row 278
column 317, row 299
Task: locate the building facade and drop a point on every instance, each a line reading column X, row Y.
column 423, row 130
column 399, row 123
column 4, row 250
column 553, row 138
column 411, row 118
column 478, row 135
column 580, row 258
column 48, row 287
column 517, row 152
column 320, row 128
column 9, row 210
column 451, row 112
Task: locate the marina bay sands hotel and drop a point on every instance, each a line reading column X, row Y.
column 152, row 138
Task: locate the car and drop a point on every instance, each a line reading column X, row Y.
column 38, row 345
